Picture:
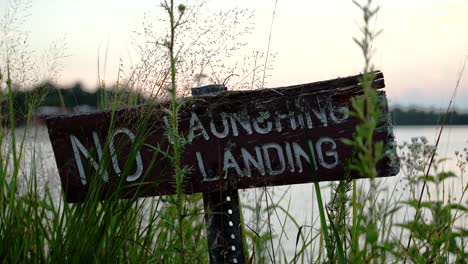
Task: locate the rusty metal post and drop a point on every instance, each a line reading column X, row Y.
column 222, row 212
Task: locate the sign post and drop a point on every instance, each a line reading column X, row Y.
column 222, row 212
column 234, row 140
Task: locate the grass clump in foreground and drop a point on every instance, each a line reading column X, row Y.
column 358, row 224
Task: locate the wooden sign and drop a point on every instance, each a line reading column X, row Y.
column 235, row 140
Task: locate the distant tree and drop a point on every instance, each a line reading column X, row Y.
column 414, row 116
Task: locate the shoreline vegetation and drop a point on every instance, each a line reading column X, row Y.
column 76, row 99
column 419, row 218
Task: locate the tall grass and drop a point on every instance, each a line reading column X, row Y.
column 356, row 225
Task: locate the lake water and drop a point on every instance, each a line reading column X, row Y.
column 298, row 200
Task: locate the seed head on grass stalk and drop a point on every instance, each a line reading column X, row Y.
column 175, row 20
column 206, row 46
column 24, row 210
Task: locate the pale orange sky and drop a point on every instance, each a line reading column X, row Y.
column 420, row 51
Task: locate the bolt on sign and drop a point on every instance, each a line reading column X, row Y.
column 233, row 140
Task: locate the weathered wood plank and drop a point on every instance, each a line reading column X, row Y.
column 235, row 140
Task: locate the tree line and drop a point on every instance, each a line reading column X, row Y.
column 415, row 116
column 48, row 98
column 73, row 98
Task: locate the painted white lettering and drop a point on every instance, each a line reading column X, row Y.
column 290, row 157
column 202, row 170
column 328, row 153
column 263, row 116
column 300, row 153
column 78, row 147
column 115, row 164
column 343, row 111
column 321, row 115
column 230, row 162
column 105, row 176
column 300, row 118
column 249, row 159
column 280, row 155
column 195, row 124
column 225, row 131
column 243, row 119
column 278, row 118
column 308, row 120
column 292, row 120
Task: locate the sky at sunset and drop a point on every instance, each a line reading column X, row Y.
column 421, row 50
